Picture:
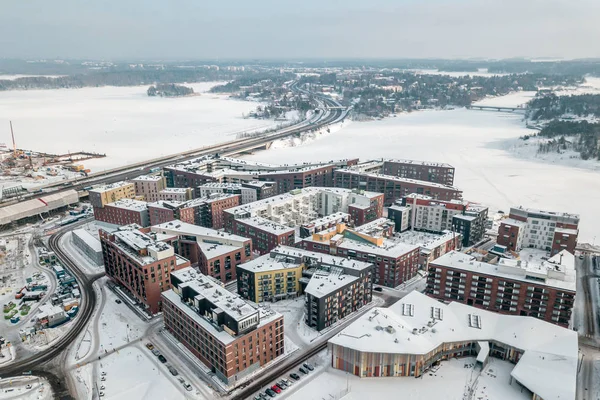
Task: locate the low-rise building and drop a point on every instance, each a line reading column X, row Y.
column 124, row 212
column 139, row 264
column 215, row 253
column 543, row 289
column 417, row 332
column 227, row 334
column 546, row 230
column 89, row 245
column 176, row 194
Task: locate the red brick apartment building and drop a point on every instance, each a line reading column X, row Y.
column 393, row 187
column 124, row 212
column 546, row 230
column 216, row 254
column 207, row 212
column 140, row 265
column 420, row 170
column 227, row 334
column 544, row 290
column 361, row 214
column 265, row 234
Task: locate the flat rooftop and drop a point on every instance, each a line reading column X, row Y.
column 558, row 272
column 105, row 188
column 129, row 204
column 391, row 248
column 266, row 225
column 92, row 242
column 398, row 179
column 548, row 366
column 267, row 263
column 551, row 214
column 132, row 242
column 326, row 259
column 416, row 162
column 425, row 240
column 323, row 284
column 148, row 178
column 201, row 233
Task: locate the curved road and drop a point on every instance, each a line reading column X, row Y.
column 87, row 305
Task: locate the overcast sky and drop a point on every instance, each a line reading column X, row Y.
column 201, row 29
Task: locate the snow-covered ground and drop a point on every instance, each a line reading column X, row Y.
column 448, row 381
column 25, row 388
column 122, row 122
column 468, row 140
column 6, row 77
column 133, row 374
column 480, row 72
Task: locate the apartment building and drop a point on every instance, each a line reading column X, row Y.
column 176, row 194
column 546, row 230
column 441, row 173
column 227, row 334
column 424, row 213
column 102, row 195
column 393, row 187
column 148, row 187
column 205, row 211
column 270, row 277
column 139, row 264
column 124, row 212
column 543, row 289
column 216, row 254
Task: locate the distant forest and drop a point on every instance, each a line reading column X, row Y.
column 552, row 106
column 169, row 90
column 586, row 135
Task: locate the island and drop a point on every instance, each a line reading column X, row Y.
column 170, row 90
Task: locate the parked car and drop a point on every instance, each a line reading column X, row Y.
column 118, row 301
column 270, row 392
column 101, row 394
column 303, row 370
column 162, row 359
column 276, row 389
column 308, row 366
column 173, row 371
column 294, row 376
column 281, row 385
column 378, row 289
column 581, row 256
column 28, row 387
column 103, row 373
column 188, row 387
column 156, row 352
column 287, row 382
column 150, row 346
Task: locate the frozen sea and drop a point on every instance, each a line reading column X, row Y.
column 122, row 122
column 468, row 140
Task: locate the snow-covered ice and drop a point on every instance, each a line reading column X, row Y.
column 467, row 139
column 122, row 122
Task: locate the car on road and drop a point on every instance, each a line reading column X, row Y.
column 28, row 387
column 303, row 370
column 156, row 352
column 276, row 389
column 294, row 376
column 150, row 346
column 101, row 394
column 118, row 301
column 162, row 359
column 103, row 373
column 270, row 392
column 308, row 366
column 378, row 289
column 173, row 371
column 581, row 256
column 188, row 387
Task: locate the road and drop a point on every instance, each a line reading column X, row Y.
column 323, row 118
column 589, row 343
column 285, row 367
column 87, row 304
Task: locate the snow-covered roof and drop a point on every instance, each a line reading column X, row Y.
column 426, row 240
column 418, row 324
column 390, row 248
column 558, row 271
column 147, row 178
column 513, row 222
column 111, row 186
column 92, row 242
column 266, row 225
column 202, row 234
column 323, row 284
column 415, row 162
column 129, row 204
column 553, row 215
column 267, row 263
column 345, row 263
column 397, row 179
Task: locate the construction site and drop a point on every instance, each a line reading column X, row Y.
column 26, row 171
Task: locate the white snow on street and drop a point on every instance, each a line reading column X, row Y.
column 122, row 122
column 470, row 141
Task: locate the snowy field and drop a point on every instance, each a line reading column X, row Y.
column 470, row 141
column 122, row 122
column 447, row 382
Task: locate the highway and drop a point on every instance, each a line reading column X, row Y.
column 324, row 117
column 87, row 305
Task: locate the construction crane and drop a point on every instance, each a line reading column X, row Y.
column 13, row 139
